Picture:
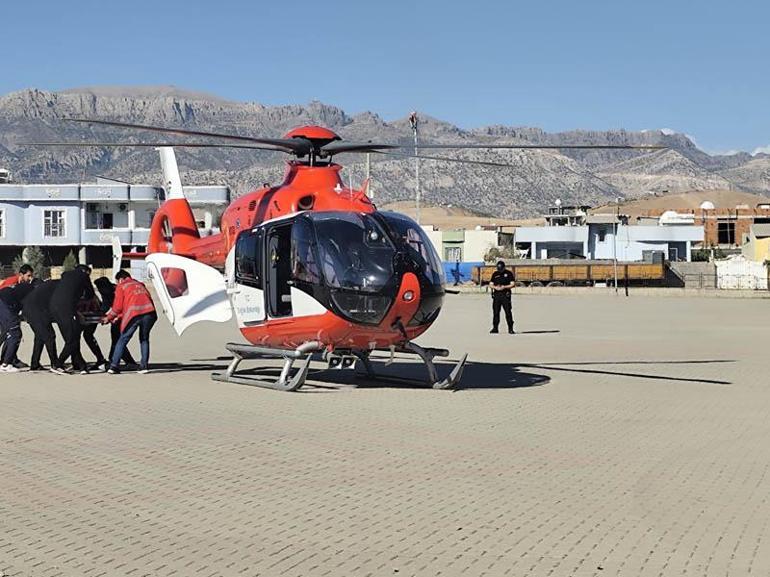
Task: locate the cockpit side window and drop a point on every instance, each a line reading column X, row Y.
column 248, row 264
column 304, row 263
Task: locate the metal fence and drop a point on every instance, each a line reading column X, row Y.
column 699, row 281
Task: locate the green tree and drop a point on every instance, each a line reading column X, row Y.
column 70, row 262
column 17, row 262
column 33, row 256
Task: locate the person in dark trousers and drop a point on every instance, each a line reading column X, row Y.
column 73, row 286
column 37, row 313
column 89, row 313
column 11, row 302
column 107, row 291
column 134, row 307
column 25, row 274
column 501, row 285
column 456, row 272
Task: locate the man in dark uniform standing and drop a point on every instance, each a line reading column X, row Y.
column 501, row 285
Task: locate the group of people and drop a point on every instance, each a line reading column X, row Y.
column 72, row 304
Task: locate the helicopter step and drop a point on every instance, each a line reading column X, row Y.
column 427, row 355
column 286, row 381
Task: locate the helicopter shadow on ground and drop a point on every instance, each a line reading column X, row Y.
column 595, row 368
column 410, row 375
column 185, row 367
column 544, row 332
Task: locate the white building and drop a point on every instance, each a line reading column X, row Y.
column 83, row 218
column 600, row 236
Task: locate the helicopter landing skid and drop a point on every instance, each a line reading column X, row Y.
column 286, row 381
column 426, row 355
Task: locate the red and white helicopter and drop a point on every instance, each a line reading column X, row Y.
column 308, row 267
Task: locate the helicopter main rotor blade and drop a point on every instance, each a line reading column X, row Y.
column 298, row 146
column 543, row 146
column 151, row 145
column 401, row 156
column 340, row 146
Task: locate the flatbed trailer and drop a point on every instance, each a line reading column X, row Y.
column 580, row 273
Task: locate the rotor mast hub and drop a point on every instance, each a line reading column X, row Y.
column 316, row 137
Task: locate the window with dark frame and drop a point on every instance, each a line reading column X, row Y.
column 53, row 223
column 726, row 232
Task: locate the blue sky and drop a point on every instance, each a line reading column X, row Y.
column 697, row 67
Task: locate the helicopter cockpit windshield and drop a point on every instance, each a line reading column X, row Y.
column 352, row 251
column 354, row 262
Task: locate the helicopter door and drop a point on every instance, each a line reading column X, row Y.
column 189, row 291
column 245, row 274
column 278, row 275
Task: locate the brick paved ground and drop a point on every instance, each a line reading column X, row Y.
column 633, row 441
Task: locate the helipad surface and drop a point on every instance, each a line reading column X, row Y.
column 613, row 437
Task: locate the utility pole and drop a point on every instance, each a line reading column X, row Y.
column 369, row 192
column 413, row 121
column 615, row 242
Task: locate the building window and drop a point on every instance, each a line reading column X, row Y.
column 726, row 232
column 2, row 223
column 53, row 223
column 453, row 254
column 602, row 234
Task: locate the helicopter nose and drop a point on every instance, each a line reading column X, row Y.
column 407, row 301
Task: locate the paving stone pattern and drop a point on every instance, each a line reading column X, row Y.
column 633, row 441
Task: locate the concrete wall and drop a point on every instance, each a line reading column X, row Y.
column 94, row 219
column 33, row 224
column 739, row 273
column 14, row 223
column 477, row 244
column 757, row 249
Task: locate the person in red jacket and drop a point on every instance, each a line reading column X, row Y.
column 134, row 307
column 25, row 275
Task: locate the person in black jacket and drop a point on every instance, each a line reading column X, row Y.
column 37, row 313
column 11, row 301
column 26, row 274
column 106, row 290
column 501, row 284
column 73, row 286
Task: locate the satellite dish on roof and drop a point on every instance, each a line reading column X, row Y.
column 707, row 205
column 557, row 202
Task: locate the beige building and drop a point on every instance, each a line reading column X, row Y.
column 463, row 245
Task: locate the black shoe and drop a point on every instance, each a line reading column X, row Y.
column 36, row 368
column 20, row 364
column 493, row 332
column 113, row 371
column 98, row 366
column 511, row 332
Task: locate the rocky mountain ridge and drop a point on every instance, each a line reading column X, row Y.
column 536, row 178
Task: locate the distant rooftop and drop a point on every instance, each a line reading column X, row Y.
column 686, row 202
